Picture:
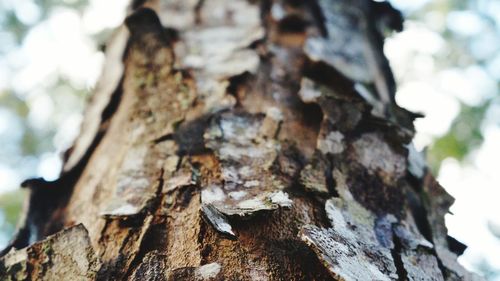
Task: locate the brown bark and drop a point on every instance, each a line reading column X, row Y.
column 242, row 140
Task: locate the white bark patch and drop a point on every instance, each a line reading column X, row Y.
column 420, row 265
column 237, row 152
column 246, row 171
column 332, row 143
column 376, row 155
column 416, row 162
column 343, row 262
column 246, row 154
column 345, row 46
column 230, row 174
column 251, row 183
column 239, row 130
column 170, row 164
column 277, row 11
column 262, row 202
column 313, row 178
column 207, row 271
column 280, row 198
column 341, row 185
column 134, row 159
column 415, row 257
column 274, row 113
column 178, row 14
column 218, row 49
column 15, row 260
column 251, row 204
column 212, row 194
column 308, row 93
column 135, row 183
column 237, row 195
column 122, row 209
column 410, row 236
column 335, row 216
column 349, row 249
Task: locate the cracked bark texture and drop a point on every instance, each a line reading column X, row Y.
column 242, row 140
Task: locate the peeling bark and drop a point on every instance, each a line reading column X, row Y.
column 242, row 140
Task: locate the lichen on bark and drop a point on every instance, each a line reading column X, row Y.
column 248, row 140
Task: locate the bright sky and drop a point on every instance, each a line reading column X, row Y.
column 61, row 44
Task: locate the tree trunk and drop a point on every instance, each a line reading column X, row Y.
column 242, row 140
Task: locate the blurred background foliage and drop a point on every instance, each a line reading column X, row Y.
column 446, row 62
column 463, row 136
column 49, row 62
column 471, row 30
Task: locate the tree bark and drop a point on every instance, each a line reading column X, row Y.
column 242, row 140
